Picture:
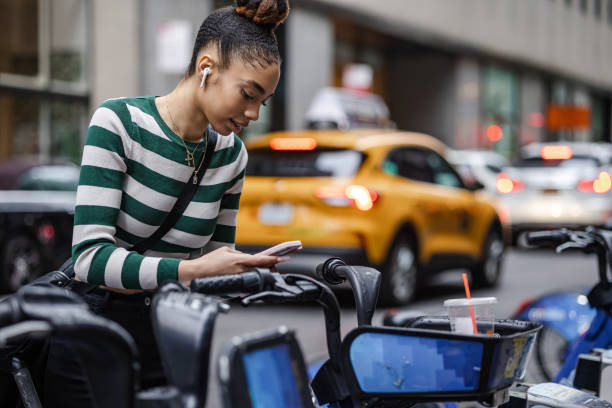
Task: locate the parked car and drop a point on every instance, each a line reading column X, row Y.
column 378, row 197
column 36, row 217
column 479, row 166
column 554, row 185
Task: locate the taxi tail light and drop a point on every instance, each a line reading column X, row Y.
column 505, row 184
column 602, row 184
column 361, row 197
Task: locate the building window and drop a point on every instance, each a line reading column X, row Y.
column 583, row 6
column 41, row 125
column 600, row 119
column 610, row 12
column 44, row 49
column 568, row 3
column 597, row 9
column 500, row 110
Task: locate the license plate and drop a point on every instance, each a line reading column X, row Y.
column 275, row 213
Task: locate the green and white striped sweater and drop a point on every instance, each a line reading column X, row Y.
column 132, row 172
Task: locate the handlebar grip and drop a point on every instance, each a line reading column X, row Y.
column 547, row 238
column 247, row 282
column 330, row 271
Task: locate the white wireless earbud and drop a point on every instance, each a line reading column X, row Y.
column 204, row 75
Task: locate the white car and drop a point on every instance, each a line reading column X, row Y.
column 480, row 166
column 555, row 185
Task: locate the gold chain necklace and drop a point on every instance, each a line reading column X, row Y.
column 189, row 154
column 195, row 172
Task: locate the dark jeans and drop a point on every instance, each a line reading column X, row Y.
column 69, row 380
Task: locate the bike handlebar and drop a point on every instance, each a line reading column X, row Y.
column 588, row 240
column 330, row 271
column 263, row 285
column 248, row 282
column 364, row 281
column 547, row 238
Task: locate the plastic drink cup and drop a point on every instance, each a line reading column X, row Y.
column 481, row 317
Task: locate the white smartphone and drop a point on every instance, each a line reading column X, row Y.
column 283, row 248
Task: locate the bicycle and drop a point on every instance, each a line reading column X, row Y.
column 599, row 332
column 184, row 321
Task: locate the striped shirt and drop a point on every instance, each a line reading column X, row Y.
column 132, row 172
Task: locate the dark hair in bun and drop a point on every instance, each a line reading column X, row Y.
column 245, row 32
column 265, row 12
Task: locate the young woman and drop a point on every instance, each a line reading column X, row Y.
column 138, row 155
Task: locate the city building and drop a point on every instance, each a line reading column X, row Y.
column 474, row 73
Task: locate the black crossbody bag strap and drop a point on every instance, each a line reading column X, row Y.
column 183, row 201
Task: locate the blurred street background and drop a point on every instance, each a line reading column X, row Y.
column 454, row 70
column 516, row 96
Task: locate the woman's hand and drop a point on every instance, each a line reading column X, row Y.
column 224, row 261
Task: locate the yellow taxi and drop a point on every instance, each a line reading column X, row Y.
column 376, row 197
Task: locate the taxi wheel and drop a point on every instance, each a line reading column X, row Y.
column 21, row 262
column 487, row 272
column 400, row 273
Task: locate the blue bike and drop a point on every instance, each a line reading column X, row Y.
column 573, row 323
column 565, row 317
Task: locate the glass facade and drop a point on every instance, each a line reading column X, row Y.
column 600, row 119
column 33, row 124
column 44, row 85
column 19, row 44
column 500, row 115
column 355, row 44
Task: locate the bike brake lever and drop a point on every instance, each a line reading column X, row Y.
column 266, row 295
column 570, row 244
column 280, row 283
column 283, row 290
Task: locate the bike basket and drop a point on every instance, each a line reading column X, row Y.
column 425, row 361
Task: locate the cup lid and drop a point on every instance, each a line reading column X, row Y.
column 471, row 301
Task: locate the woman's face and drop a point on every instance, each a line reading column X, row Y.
column 232, row 97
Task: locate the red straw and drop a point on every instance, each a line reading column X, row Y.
column 469, row 296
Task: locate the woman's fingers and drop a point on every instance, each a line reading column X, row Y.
column 260, row 260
